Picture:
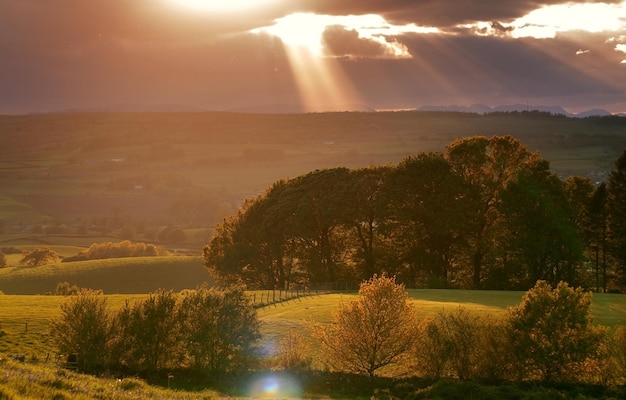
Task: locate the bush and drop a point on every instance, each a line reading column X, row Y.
column 66, row 289
column 148, row 333
column 219, row 328
column 450, row 345
column 85, row 329
column 293, row 352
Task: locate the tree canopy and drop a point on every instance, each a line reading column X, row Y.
column 487, row 213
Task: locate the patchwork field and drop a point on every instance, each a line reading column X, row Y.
column 90, row 175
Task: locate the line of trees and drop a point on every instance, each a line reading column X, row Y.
column 487, row 213
column 549, row 337
column 206, row 329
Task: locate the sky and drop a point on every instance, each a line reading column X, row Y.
column 311, row 55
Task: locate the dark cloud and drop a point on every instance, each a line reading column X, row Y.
column 441, row 13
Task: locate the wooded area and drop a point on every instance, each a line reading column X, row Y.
column 486, row 213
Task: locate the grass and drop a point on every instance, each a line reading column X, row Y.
column 120, row 275
column 24, row 322
column 40, row 381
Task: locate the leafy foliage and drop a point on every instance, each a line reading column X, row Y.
column 218, row 328
column 552, row 332
column 617, row 214
column 203, row 329
column 372, row 332
column 487, row 213
column 149, row 335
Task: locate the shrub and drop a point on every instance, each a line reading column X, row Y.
column 449, row 345
column 66, row 289
column 84, row 328
column 125, row 248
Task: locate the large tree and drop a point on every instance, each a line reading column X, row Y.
column 540, row 239
column 597, row 232
column 372, row 253
column 428, row 217
column 617, row 214
column 488, row 165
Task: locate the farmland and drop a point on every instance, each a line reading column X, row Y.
column 70, row 180
column 80, row 178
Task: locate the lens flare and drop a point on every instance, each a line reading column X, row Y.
column 273, row 386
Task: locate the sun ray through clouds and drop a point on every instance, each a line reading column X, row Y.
column 319, row 46
column 321, row 84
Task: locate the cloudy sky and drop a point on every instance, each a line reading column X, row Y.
column 319, row 54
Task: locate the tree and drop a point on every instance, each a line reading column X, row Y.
column 597, row 232
column 552, row 332
column 368, row 211
column 539, row 236
column 429, row 216
column 3, row 260
column 85, row 328
column 372, row 332
column 40, row 256
column 488, row 165
column 617, row 214
column 219, row 328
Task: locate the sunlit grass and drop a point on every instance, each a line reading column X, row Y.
column 43, row 381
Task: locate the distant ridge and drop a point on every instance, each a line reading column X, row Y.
column 484, row 109
column 293, row 108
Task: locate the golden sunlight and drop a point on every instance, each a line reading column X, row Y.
column 322, row 85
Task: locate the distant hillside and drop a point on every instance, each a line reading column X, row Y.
column 113, row 276
column 484, row 109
